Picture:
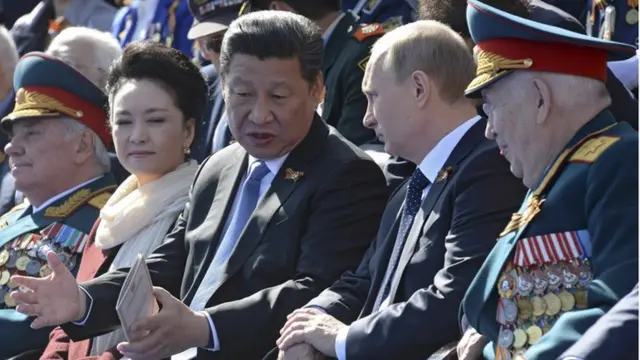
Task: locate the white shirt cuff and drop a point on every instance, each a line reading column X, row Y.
column 341, row 343
column 214, row 333
column 88, row 311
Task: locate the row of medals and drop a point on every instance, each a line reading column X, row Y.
column 29, row 260
column 532, row 299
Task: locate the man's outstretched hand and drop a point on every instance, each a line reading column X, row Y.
column 53, row 300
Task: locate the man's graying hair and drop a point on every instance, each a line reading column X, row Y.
column 275, row 35
column 100, row 152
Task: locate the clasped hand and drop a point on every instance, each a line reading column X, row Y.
column 313, row 327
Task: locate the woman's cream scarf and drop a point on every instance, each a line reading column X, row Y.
column 139, row 217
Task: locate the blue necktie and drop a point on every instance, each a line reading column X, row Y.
column 412, row 202
column 247, row 201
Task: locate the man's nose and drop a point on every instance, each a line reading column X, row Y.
column 261, row 112
column 13, row 148
column 489, row 133
column 369, row 121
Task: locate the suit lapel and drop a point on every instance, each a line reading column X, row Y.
column 468, row 142
column 226, row 188
column 277, row 194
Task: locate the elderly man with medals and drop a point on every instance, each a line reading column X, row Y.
column 571, row 252
column 57, row 154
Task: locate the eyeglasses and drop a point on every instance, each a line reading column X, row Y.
column 214, row 43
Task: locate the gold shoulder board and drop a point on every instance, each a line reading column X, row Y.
column 591, row 150
column 99, row 200
column 75, row 201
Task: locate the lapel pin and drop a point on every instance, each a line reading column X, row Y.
column 290, row 174
column 444, row 174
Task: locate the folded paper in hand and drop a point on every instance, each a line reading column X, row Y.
column 136, row 300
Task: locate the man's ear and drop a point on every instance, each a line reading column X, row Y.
column 542, row 93
column 421, row 87
column 84, row 147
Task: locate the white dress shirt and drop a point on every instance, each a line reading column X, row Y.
column 430, row 166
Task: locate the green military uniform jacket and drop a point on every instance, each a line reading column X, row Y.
column 25, row 237
column 569, row 254
column 346, row 54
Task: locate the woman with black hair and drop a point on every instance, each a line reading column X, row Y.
column 155, row 96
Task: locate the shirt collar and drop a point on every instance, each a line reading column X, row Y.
column 329, row 31
column 274, row 165
column 436, row 158
column 64, row 193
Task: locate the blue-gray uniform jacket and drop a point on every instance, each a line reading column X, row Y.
column 25, row 237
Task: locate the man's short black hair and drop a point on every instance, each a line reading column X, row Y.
column 275, row 35
column 453, row 13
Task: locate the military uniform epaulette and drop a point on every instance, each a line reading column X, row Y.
column 97, row 199
column 591, row 150
column 366, row 31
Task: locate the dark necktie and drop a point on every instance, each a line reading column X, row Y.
column 412, row 202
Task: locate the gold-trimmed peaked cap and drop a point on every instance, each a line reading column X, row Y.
column 48, row 88
column 506, row 42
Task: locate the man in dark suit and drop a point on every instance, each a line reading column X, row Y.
column 272, row 219
column 613, row 336
column 402, row 302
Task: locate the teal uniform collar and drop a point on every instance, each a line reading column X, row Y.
column 599, row 122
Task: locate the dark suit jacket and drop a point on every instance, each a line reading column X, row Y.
column 300, row 238
column 613, row 336
column 455, row 229
column 205, row 128
column 343, row 71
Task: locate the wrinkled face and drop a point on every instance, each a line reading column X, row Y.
column 269, row 105
column 387, row 107
column 149, row 131
column 42, row 152
column 512, row 111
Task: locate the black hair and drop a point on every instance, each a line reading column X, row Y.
column 168, row 67
column 275, row 35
